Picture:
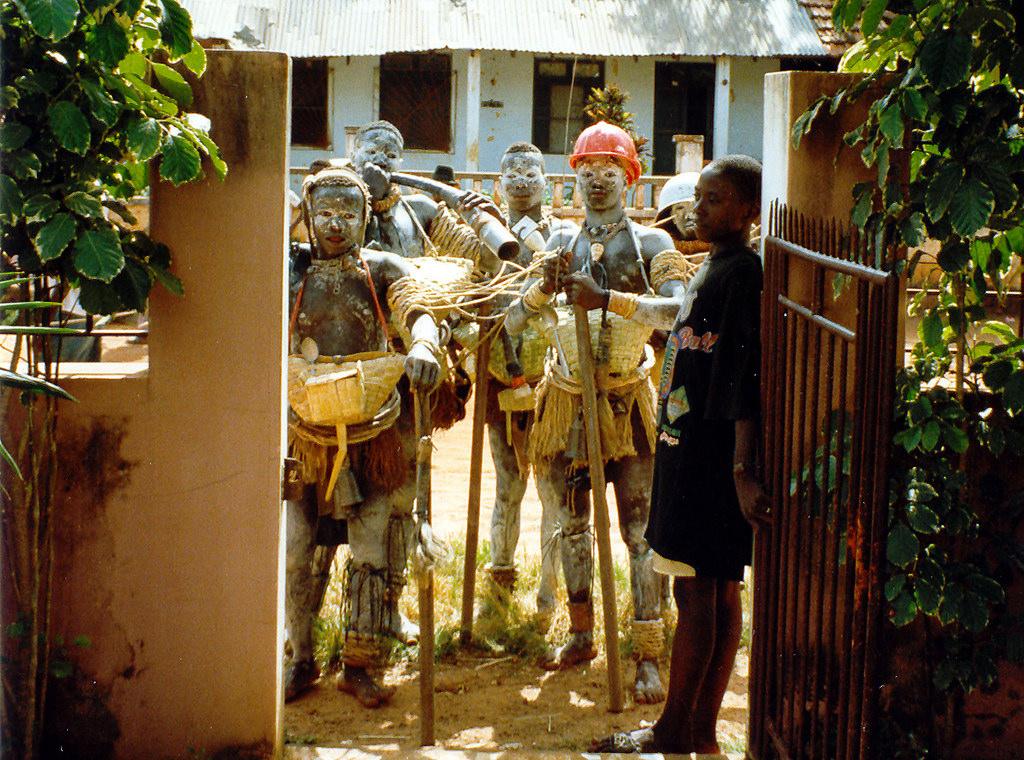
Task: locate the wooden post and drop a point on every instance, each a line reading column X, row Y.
column 602, row 526
column 425, row 579
column 476, row 461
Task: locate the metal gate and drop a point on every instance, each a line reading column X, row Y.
column 830, row 322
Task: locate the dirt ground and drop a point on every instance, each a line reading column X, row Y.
column 483, row 702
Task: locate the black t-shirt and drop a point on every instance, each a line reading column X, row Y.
column 709, row 380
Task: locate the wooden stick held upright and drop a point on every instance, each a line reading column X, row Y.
column 476, row 460
column 425, row 579
column 602, row 525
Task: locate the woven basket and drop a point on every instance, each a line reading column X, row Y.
column 628, row 339
column 521, row 399
column 342, row 393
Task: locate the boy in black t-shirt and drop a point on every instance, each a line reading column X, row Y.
column 705, row 497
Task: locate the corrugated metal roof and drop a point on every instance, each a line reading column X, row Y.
column 311, row 28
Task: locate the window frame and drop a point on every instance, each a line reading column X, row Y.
column 378, row 101
column 328, row 78
column 542, row 118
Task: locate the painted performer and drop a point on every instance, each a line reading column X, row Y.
column 706, row 496
column 620, row 254
column 402, row 223
column 517, row 364
column 360, row 475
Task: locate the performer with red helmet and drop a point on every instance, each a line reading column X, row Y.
column 619, row 255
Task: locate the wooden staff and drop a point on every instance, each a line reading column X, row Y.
column 476, row 461
column 602, row 526
column 425, row 578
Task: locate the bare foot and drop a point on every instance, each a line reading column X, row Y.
column 579, row 649
column 359, row 683
column 647, row 688
column 633, row 742
column 299, row 678
column 406, row 631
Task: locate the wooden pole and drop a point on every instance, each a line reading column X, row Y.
column 425, row 579
column 476, row 461
column 602, row 526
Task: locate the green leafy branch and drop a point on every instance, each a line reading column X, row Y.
column 93, row 93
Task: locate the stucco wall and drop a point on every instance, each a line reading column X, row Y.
column 746, row 107
column 173, row 553
column 507, row 77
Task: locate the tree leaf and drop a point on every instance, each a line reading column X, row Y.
column 872, row 15
column 973, row 613
column 894, row 586
column 84, row 204
column 173, row 84
column 175, row 28
column 914, row 104
column 941, row 190
column 134, row 63
column 108, row 41
column 70, row 126
column 11, row 199
column 39, row 208
column 23, row 164
column 971, row 207
column 170, row 282
column 104, row 108
column 945, row 58
column 98, row 254
column 13, row 135
column 930, row 329
column 53, row 19
column 180, row 161
column 890, row 122
column 195, row 59
column 902, row 545
column 54, row 236
column 927, row 597
column 929, row 437
column 862, row 208
column 133, row 285
column 904, row 609
column 922, row 517
column 144, row 138
column 220, row 168
column 99, row 297
column 1013, row 391
column 955, row 438
column 912, row 229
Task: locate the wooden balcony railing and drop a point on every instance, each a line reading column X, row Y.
column 563, row 197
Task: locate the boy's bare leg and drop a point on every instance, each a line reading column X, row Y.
column 631, row 478
column 728, row 625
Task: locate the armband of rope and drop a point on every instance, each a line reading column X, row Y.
column 535, row 298
column 623, row 304
column 673, row 265
column 451, row 237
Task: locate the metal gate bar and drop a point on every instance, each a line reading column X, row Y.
column 827, row 393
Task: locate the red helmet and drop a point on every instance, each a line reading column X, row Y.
column 604, row 139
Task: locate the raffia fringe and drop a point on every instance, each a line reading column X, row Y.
column 649, row 638
column 558, row 407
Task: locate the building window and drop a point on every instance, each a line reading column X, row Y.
column 552, row 82
column 309, row 102
column 416, row 96
column 684, row 104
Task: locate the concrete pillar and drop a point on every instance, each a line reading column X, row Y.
column 689, row 153
column 723, row 96
column 473, row 111
column 173, row 565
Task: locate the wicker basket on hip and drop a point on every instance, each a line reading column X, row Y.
column 625, row 349
column 347, row 392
